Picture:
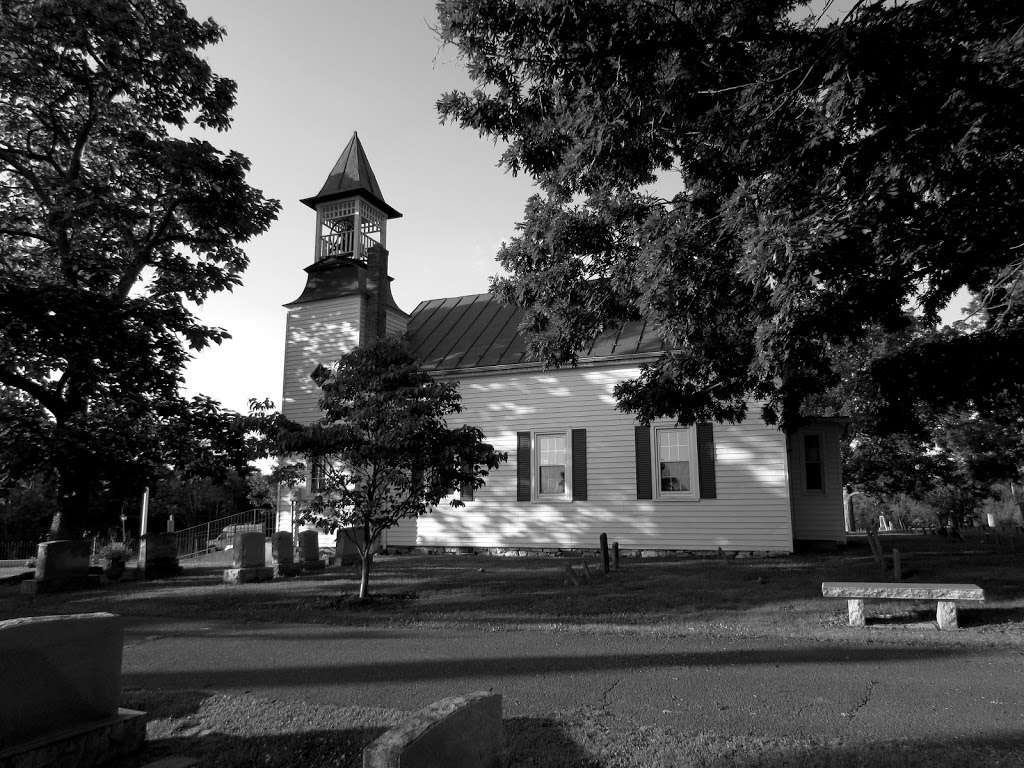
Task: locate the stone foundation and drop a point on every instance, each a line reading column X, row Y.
column 282, row 570
column 636, row 554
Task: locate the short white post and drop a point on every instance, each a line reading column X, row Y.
column 144, row 521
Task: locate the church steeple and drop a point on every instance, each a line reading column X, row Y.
column 351, row 213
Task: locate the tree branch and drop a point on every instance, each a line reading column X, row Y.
column 46, row 398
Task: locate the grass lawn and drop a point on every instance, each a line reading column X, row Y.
column 739, row 598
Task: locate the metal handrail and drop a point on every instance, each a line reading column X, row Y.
column 200, row 539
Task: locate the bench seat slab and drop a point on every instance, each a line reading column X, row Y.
column 901, row 591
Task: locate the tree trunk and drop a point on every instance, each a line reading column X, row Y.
column 364, row 579
column 848, row 509
column 73, row 491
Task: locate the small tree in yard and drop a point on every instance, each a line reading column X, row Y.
column 383, row 452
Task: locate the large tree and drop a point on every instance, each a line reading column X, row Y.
column 822, row 177
column 383, row 451
column 113, row 224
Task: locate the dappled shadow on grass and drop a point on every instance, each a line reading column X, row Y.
column 490, row 667
column 979, row 752
column 241, row 730
column 644, row 746
column 540, row 742
column 590, row 742
column 341, row 748
column 774, row 594
column 168, row 704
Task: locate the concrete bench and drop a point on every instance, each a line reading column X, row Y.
column 947, row 596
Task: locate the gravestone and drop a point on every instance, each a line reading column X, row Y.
column 346, row 551
column 62, row 676
column 248, row 559
column 60, row 565
column 283, row 551
column 309, row 551
column 158, row 556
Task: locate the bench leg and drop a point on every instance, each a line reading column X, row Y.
column 856, row 608
column 945, row 614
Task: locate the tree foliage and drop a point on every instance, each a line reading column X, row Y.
column 935, row 414
column 383, row 451
column 822, row 177
column 112, row 225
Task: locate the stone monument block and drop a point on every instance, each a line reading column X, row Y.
column 62, row 683
column 74, row 660
column 282, row 547
column 250, row 550
column 61, row 564
column 283, row 551
column 309, row 550
column 248, row 558
column 347, row 546
column 158, row 555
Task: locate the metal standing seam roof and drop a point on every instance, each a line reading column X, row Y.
column 479, row 331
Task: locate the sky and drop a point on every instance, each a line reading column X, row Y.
column 309, row 73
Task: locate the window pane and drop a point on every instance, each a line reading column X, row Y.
column 812, row 448
column 673, row 444
column 675, row 475
column 551, row 449
column 552, row 479
column 814, row 477
column 812, row 463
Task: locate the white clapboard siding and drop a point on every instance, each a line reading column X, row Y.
column 751, row 511
column 818, row 514
column 318, row 332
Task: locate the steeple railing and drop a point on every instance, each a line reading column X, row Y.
column 335, row 244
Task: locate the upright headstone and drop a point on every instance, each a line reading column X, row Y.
column 158, row 556
column 60, row 565
column 283, row 550
column 248, row 559
column 62, row 680
column 309, row 550
column 346, row 549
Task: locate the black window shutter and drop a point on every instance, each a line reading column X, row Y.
column 466, row 489
column 579, row 465
column 706, row 460
column 642, row 439
column 524, row 466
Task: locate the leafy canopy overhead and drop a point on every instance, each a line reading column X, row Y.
column 823, row 178
column 383, row 449
column 111, row 223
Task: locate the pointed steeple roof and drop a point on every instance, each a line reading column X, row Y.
column 352, row 175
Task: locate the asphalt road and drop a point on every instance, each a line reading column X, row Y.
column 856, row 690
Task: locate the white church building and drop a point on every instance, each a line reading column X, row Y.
column 577, row 467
